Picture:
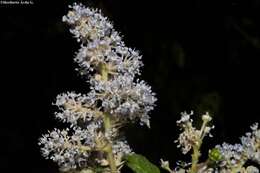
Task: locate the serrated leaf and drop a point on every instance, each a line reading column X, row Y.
column 140, row 164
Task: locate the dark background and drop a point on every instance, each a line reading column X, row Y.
column 198, row 55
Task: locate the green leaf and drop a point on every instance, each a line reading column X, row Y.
column 140, row 164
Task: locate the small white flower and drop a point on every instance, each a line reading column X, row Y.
column 252, row 169
column 185, row 117
column 206, row 117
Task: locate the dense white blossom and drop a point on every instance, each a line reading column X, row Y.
column 88, row 23
column 69, row 151
column 100, row 42
column 74, row 107
column 238, row 154
column 115, row 98
column 124, row 98
column 121, row 94
column 232, row 154
column 121, row 148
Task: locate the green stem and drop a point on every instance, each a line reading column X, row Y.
column 111, row 159
column 195, row 159
column 107, row 124
column 202, row 134
column 110, row 155
column 196, row 149
column 103, row 72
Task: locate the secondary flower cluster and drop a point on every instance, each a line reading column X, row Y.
column 116, row 98
column 191, row 136
column 235, row 156
column 225, row 158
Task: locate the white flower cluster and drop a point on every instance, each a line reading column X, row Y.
column 76, row 107
column 225, row 158
column 115, row 98
column 125, row 99
column 191, row 136
column 69, row 151
column 101, row 44
column 232, row 154
column 103, row 51
column 238, row 154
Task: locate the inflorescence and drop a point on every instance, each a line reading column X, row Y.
column 225, row 158
column 93, row 140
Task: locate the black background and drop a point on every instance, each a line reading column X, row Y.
column 199, row 55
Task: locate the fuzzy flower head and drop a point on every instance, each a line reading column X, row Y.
column 68, row 151
column 87, row 23
column 125, row 99
column 232, row 154
column 80, row 148
column 76, row 107
column 112, row 68
column 101, row 44
column 238, row 154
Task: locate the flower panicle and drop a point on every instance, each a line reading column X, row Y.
column 112, row 68
column 116, row 97
column 190, row 136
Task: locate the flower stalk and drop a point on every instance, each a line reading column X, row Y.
column 108, row 125
column 204, row 130
column 195, row 159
